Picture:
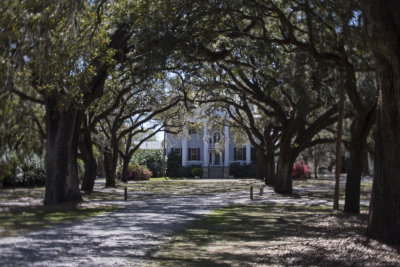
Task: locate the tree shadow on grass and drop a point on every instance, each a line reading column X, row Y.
column 272, row 235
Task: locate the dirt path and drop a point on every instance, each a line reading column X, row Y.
column 131, row 235
column 119, row 238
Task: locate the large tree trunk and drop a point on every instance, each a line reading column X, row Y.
column 62, row 183
column 360, row 130
column 100, row 167
column 270, row 161
column 125, row 166
column 383, row 24
column 283, row 183
column 86, row 149
column 125, row 169
column 111, row 161
column 109, row 168
column 126, row 158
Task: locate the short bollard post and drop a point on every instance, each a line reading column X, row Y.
column 261, row 191
column 251, row 192
column 125, row 193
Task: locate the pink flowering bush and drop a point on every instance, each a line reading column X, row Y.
column 301, row 171
column 142, row 173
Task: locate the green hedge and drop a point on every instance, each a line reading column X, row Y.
column 238, row 170
column 25, row 176
column 175, row 168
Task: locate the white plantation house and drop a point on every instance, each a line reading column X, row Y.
column 211, row 147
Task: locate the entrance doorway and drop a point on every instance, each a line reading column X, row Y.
column 216, row 159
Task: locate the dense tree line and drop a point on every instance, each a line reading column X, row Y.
column 89, row 75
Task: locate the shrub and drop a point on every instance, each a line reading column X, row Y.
column 142, row 173
column 197, row 172
column 242, row 170
column 25, row 176
column 132, row 167
column 175, row 168
column 174, row 165
column 152, row 158
column 5, row 171
column 301, row 171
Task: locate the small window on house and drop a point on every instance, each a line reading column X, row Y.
column 194, row 154
column 177, row 150
column 239, row 153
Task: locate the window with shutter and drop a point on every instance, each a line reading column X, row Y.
column 193, row 154
column 239, row 153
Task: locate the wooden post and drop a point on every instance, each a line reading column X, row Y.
column 126, row 193
column 261, row 191
column 251, row 192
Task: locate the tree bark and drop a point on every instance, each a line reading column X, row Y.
column 86, row 149
column 270, row 161
column 125, row 169
column 360, row 130
column 283, row 183
column 62, row 125
column 100, row 167
column 109, row 168
column 383, row 25
column 338, row 167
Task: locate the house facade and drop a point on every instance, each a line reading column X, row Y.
column 211, row 147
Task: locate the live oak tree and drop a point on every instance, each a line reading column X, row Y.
column 282, row 88
column 60, row 55
column 132, row 118
column 328, row 31
column 50, row 53
column 383, row 28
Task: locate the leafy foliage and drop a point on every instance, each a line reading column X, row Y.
column 238, row 170
column 174, row 164
column 142, row 173
column 151, row 158
column 25, row 176
column 301, row 171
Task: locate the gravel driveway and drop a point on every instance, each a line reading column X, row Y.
column 122, row 238
column 129, row 236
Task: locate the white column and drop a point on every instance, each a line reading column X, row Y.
column 205, row 147
column 184, row 147
column 248, row 152
column 226, row 160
